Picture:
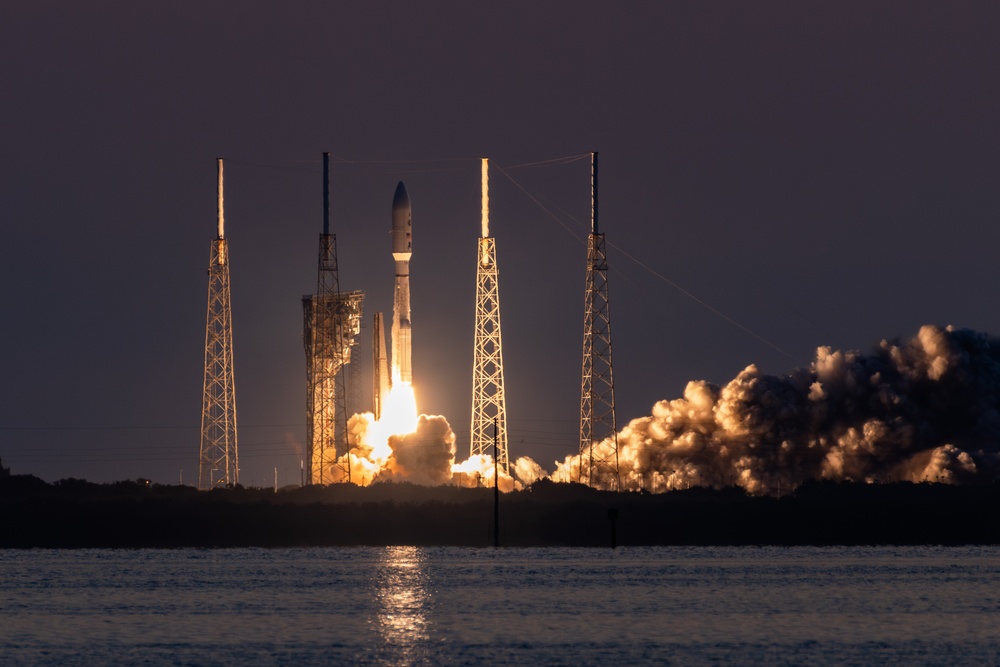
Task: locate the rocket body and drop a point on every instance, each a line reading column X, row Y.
column 402, row 248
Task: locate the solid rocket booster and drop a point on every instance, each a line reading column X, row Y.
column 380, row 367
column 402, row 248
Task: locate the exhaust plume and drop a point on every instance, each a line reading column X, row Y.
column 923, row 410
column 424, row 456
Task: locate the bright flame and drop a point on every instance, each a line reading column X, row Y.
column 422, row 450
column 399, row 415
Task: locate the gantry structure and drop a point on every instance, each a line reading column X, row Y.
column 331, row 321
column 598, row 464
column 218, row 460
column 489, row 407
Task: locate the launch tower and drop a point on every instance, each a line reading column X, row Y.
column 332, row 320
column 218, row 461
column 488, row 403
column 597, row 396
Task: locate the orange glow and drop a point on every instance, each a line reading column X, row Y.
column 400, row 411
column 399, row 417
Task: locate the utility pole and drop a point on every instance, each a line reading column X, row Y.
column 496, row 489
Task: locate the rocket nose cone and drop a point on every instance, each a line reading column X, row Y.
column 400, row 199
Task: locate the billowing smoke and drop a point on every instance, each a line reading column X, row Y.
column 478, row 471
column 527, row 471
column 926, row 409
column 425, row 456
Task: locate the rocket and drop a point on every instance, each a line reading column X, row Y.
column 402, row 248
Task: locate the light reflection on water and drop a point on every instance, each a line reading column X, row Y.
column 403, row 602
column 412, row 606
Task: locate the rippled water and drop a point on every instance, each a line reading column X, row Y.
column 429, row 606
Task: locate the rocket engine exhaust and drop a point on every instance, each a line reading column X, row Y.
column 927, row 409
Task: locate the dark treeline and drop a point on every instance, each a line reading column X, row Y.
column 76, row 514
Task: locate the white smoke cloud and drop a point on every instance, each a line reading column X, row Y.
column 425, row 456
column 527, row 471
column 925, row 410
column 477, row 471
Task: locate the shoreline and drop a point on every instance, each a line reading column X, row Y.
column 79, row 514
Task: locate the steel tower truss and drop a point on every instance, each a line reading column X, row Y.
column 488, row 402
column 332, row 320
column 598, row 465
column 219, row 459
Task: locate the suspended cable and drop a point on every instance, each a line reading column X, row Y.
column 554, row 162
column 652, row 272
column 701, row 302
column 540, row 204
column 131, row 428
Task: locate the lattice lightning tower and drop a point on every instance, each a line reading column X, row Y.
column 598, row 464
column 218, row 464
column 489, row 406
column 331, row 320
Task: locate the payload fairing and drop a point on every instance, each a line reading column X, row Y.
column 402, row 248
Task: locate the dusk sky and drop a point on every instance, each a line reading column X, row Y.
column 775, row 176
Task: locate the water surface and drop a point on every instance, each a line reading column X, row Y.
column 560, row 606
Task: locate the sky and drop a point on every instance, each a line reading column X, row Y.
column 774, row 177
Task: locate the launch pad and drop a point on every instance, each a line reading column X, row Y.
column 331, row 326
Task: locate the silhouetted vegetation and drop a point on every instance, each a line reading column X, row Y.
column 74, row 513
